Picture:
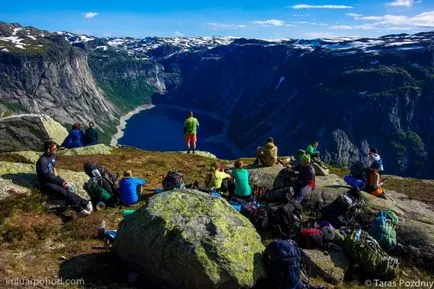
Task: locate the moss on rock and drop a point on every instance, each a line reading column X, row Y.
column 209, row 244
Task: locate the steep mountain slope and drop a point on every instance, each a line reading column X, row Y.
column 347, row 93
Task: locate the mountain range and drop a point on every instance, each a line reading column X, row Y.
column 348, row 93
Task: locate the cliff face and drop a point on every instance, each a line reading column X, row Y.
column 348, row 101
column 348, row 94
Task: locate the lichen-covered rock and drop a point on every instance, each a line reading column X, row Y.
column 187, row 239
column 29, row 132
column 22, row 178
column 25, row 156
column 331, row 265
column 99, row 149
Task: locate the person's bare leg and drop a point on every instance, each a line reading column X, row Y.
column 188, row 146
column 194, row 145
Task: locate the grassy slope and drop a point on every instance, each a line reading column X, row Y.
column 33, row 240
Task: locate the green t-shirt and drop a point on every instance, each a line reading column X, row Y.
column 218, row 178
column 311, row 150
column 191, row 125
column 241, row 178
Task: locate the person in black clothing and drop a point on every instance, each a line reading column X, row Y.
column 51, row 183
column 91, row 135
column 305, row 181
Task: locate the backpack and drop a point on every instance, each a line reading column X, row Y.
column 173, row 180
column 283, row 264
column 383, row 229
column 354, row 182
column 104, row 178
column 281, row 195
column 367, row 253
column 359, row 170
column 342, row 211
column 283, row 179
column 285, row 219
column 97, row 192
column 311, row 238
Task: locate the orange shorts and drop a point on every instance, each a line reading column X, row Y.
column 190, row 138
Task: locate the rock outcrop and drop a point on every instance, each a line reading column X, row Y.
column 330, row 265
column 188, row 239
column 21, row 178
column 99, row 149
column 29, row 132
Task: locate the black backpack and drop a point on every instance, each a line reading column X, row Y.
column 285, row 219
column 283, row 179
column 173, row 180
column 106, row 179
column 342, row 211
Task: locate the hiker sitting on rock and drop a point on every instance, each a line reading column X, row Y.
column 312, row 151
column 130, row 188
column 305, row 181
column 216, row 177
column 51, row 183
column 267, row 155
column 91, row 135
column 241, row 179
column 75, row 137
column 375, row 185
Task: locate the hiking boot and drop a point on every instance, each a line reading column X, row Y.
column 194, row 151
column 84, row 213
column 188, row 151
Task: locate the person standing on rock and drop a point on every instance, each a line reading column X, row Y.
column 191, row 125
column 53, row 184
column 91, row 135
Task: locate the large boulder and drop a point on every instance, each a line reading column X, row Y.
column 29, row 132
column 263, row 176
column 330, row 265
column 188, row 239
column 21, row 178
column 99, row 149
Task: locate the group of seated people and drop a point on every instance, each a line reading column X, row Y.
column 77, row 138
column 235, row 184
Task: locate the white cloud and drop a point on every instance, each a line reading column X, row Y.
column 425, row 19
column 178, row 34
column 300, row 15
column 312, row 23
column 354, row 15
column 270, row 22
column 306, row 6
column 405, row 3
column 342, row 27
column 218, row 26
column 89, row 15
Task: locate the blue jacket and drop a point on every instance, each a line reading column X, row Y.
column 74, row 139
column 129, row 192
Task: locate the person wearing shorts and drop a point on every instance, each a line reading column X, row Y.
column 190, row 130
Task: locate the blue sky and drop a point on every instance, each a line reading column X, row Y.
column 244, row 18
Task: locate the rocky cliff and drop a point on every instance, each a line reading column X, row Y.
column 347, row 93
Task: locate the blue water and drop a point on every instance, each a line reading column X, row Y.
column 161, row 129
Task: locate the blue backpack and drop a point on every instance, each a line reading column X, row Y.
column 283, row 264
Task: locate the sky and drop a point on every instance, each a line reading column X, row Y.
column 265, row 19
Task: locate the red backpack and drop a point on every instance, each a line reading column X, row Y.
column 311, row 238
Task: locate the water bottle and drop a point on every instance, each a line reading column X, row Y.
column 72, row 188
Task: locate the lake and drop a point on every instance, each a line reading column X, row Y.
column 161, row 129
